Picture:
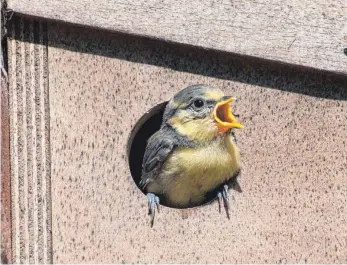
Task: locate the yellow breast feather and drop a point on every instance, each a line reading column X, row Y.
column 189, row 173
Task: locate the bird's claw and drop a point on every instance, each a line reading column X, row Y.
column 223, row 195
column 153, row 203
column 219, row 195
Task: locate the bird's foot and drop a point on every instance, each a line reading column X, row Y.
column 223, row 196
column 153, row 203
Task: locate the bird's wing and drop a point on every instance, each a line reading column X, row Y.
column 159, row 146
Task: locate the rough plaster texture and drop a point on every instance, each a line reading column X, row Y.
column 293, row 205
column 5, row 174
column 306, row 33
column 29, row 142
column 292, row 208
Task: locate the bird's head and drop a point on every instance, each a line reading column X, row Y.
column 200, row 113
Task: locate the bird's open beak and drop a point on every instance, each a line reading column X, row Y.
column 223, row 116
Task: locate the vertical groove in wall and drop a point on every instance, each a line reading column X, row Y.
column 29, row 142
column 47, row 147
column 14, row 145
column 29, row 136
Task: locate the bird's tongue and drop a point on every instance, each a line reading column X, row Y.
column 223, row 116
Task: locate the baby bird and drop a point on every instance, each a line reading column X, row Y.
column 193, row 153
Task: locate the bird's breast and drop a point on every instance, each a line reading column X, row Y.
column 189, row 173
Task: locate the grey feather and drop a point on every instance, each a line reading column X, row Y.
column 161, row 144
column 183, row 97
column 159, row 147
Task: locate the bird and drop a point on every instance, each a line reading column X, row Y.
column 193, row 153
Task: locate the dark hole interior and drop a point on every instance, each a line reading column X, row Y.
column 147, row 125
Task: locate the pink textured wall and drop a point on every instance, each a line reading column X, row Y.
column 294, row 160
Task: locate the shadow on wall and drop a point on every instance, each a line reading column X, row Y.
column 199, row 61
column 183, row 58
column 4, row 259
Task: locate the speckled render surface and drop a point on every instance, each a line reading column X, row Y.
column 293, row 205
column 29, row 142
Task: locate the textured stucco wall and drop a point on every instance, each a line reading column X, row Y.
column 29, row 142
column 292, row 208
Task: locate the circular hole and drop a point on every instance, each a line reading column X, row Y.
column 146, row 126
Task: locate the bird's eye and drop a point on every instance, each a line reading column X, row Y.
column 199, row 103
